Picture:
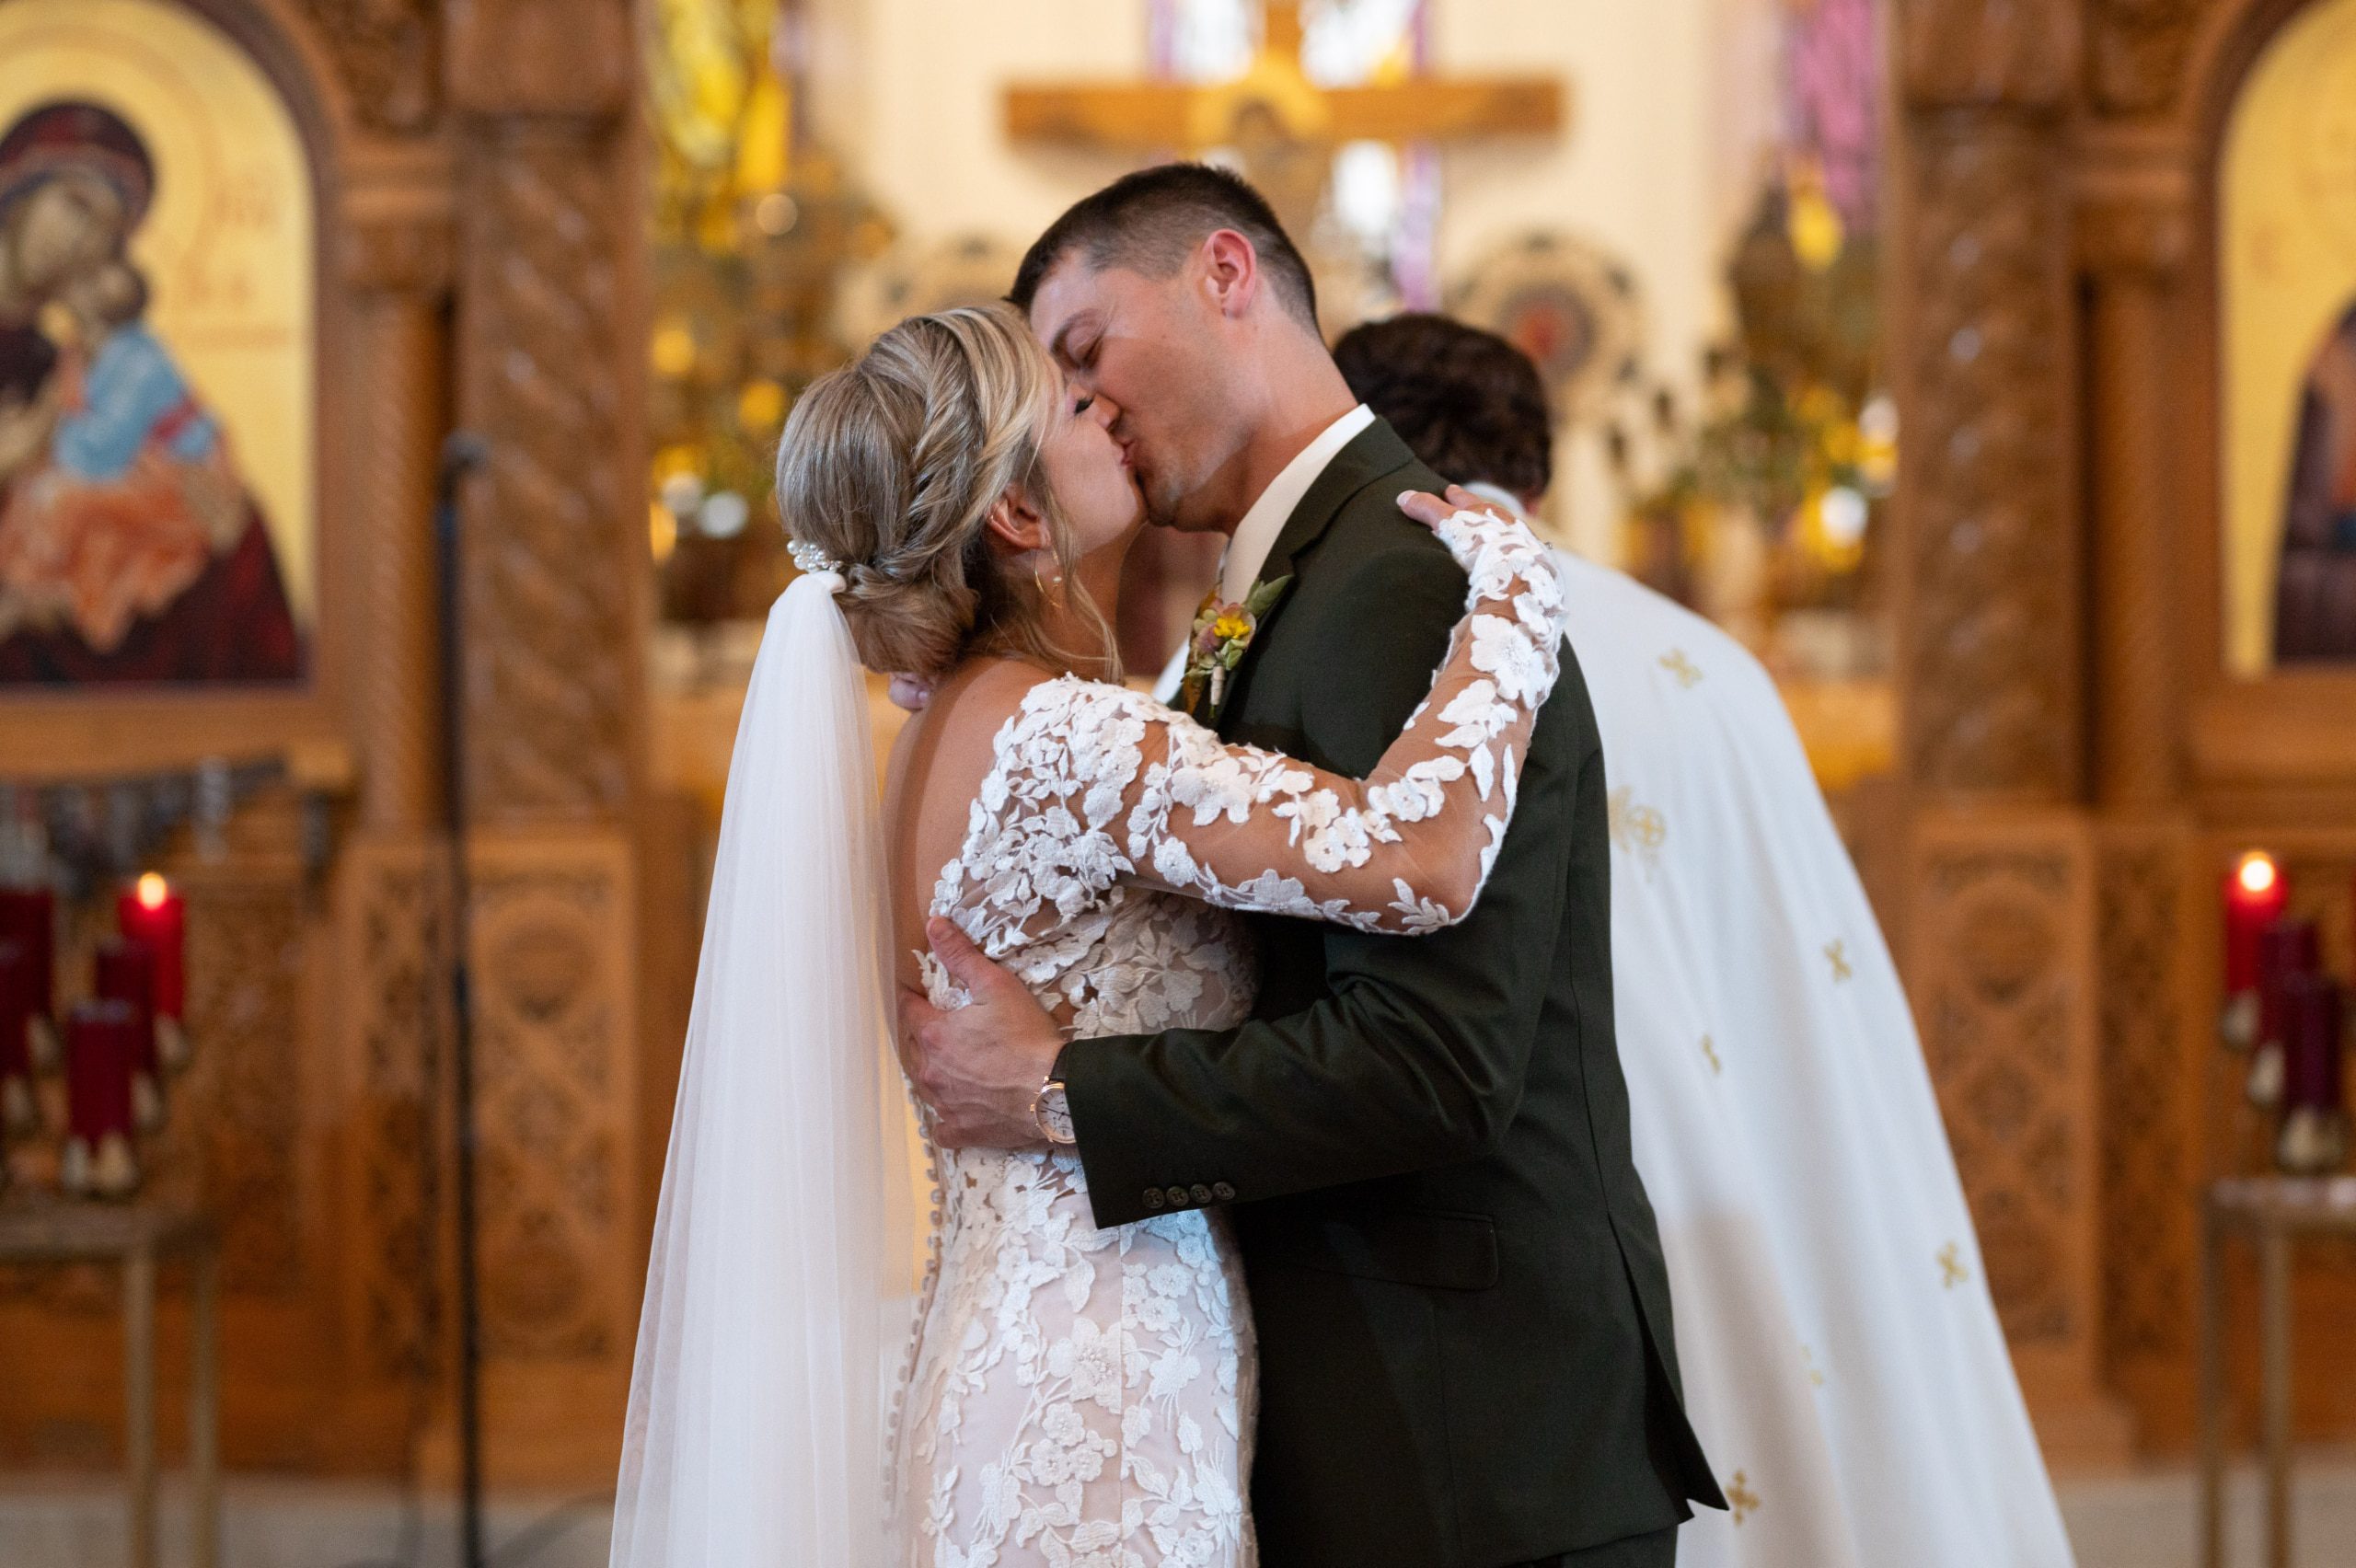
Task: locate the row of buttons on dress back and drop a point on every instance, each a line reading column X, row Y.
column 1181, row 1197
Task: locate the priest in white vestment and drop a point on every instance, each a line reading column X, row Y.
column 1842, row 1361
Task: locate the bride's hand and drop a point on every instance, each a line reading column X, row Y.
column 1514, row 596
column 1432, row 511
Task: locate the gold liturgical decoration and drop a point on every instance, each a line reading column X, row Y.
column 1637, row 828
column 1273, row 111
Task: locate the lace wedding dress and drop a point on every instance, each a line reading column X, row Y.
column 1083, row 1397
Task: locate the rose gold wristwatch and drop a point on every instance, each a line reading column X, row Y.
column 1051, row 1112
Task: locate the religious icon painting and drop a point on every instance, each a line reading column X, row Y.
column 1570, row 306
column 2287, row 266
column 156, row 490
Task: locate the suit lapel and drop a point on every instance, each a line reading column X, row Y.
column 1372, row 453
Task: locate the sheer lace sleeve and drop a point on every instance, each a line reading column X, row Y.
column 1096, row 783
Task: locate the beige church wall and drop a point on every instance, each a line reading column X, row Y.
column 1655, row 165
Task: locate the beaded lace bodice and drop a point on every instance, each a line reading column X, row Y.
column 1084, row 1396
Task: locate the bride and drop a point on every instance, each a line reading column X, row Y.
column 1070, row 1395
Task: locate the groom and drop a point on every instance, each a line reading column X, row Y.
column 1466, row 1354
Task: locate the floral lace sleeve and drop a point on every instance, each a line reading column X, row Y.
column 1095, row 783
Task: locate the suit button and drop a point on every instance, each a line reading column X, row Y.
column 1177, row 1196
column 1153, row 1198
column 1222, row 1192
column 1202, row 1194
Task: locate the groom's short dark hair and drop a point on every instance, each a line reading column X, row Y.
column 1149, row 222
column 1467, row 402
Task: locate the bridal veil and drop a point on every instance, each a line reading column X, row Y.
column 783, row 1241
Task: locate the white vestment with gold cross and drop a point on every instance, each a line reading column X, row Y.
column 1842, row 1357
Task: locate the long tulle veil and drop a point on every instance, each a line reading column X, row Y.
column 783, row 1240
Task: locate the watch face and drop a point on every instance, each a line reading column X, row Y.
column 1054, row 1115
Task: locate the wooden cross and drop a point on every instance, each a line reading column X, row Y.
column 1274, row 103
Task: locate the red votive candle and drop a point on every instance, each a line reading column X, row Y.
column 28, row 918
column 126, row 973
column 153, row 912
column 102, row 1050
column 104, row 1040
column 2313, row 1005
column 2256, row 893
column 2314, row 1136
column 16, row 1007
column 2287, row 950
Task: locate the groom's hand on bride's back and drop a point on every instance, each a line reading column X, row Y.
column 978, row 1067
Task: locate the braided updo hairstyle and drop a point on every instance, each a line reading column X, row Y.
column 891, row 466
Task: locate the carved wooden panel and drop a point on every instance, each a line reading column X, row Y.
column 1998, row 939
column 556, row 1098
column 554, row 550
column 2150, row 1114
column 1991, row 619
column 2136, row 52
column 394, row 979
column 234, row 1142
column 1957, row 52
column 541, row 57
column 388, row 53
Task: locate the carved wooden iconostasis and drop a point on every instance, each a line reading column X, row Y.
column 2096, row 721
column 454, row 218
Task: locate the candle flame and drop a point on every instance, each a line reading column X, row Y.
column 153, row 891
column 2256, row 873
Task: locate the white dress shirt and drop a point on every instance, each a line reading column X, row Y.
column 1248, row 546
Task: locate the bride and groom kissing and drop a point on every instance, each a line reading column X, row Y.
column 1285, row 1209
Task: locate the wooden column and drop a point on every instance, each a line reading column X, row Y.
column 398, row 267
column 2002, row 909
column 2132, row 234
column 557, row 589
column 397, row 261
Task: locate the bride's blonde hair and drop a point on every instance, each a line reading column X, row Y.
column 890, row 466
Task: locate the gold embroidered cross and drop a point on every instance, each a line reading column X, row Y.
column 1740, row 1498
column 1951, row 1270
column 1839, row 953
column 1639, row 830
column 1814, row 1376
column 1677, row 665
column 1711, row 1051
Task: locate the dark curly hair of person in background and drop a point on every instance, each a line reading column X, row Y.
column 1466, row 401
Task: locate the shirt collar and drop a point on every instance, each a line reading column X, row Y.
column 1247, row 551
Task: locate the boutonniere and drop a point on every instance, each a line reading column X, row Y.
column 1221, row 633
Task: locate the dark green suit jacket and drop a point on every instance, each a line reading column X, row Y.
column 1465, row 1351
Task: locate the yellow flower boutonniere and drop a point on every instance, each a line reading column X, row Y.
column 1220, row 635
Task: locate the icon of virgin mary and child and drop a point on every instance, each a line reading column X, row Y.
column 131, row 552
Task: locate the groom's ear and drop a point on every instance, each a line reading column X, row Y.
column 1231, row 273
column 1014, row 526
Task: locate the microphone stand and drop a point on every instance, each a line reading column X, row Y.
column 461, row 454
